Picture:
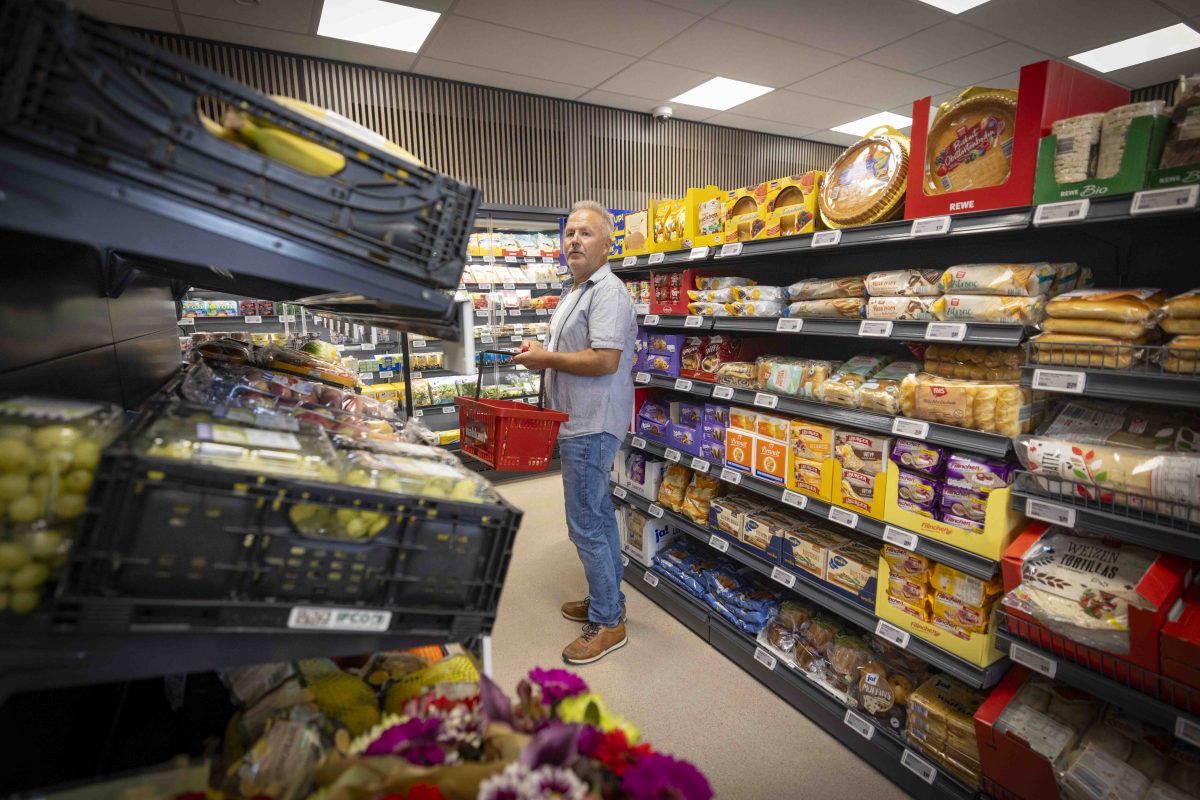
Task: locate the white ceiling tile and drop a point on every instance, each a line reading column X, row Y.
column 1066, row 27
column 802, row 110
column 654, row 81
column 701, row 7
column 933, row 46
column 482, row 44
column 833, row 137
column 868, row 84
column 1157, row 71
column 490, row 77
column 760, row 125
column 743, row 54
column 630, row 103
column 283, row 15
column 1007, row 81
column 1002, row 58
column 585, row 21
column 135, row 16
column 849, row 27
column 283, row 41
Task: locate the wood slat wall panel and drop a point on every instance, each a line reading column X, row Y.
column 520, row 149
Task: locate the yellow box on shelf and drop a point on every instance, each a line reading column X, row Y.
column 977, row 648
column 744, row 213
column 637, row 232
column 1000, row 527
column 693, row 220
column 791, row 204
column 860, row 492
column 814, row 477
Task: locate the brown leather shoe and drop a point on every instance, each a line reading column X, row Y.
column 577, row 610
column 595, row 643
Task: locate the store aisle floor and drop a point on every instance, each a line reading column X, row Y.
column 688, row 699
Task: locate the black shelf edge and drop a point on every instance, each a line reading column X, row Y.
column 883, row 750
column 506, row 285
column 676, row 321
column 979, row 333
column 992, row 444
column 1130, row 385
column 970, row 563
column 981, row 677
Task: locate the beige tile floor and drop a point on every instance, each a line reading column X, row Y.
column 687, row 698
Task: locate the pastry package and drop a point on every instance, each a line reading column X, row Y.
column 1010, row 280
column 1004, row 408
column 842, row 386
column 726, row 282
column 970, row 141
column 913, row 590
column 881, row 392
column 826, row 288
column 755, row 308
column 781, row 375
column 1085, row 351
column 866, row 183
column 918, row 456
column 978, row 473
column 974, row 362
column 725, row 295
column 762, row 528
column 673, row 487
column 840, row 308
column 845, row 656
column 776, row 294
column 702, row 356
column 1113, row 305
column 904, row 283
column 989, row 308
column 739, row 374
column 1076, row 147
column 1182, row 355
column 708, row 309
column 900, row 308
column 941, row 725
column 812, row 440
column 699, row 495
column 1182, row 146
column 1182, row 306
column 1114, row 134
column 784, row 630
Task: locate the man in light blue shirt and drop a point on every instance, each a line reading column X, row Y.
column 588, row 357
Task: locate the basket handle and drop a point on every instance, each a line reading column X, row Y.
column 479, row 376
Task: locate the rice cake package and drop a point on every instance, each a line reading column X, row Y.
column 808, row 548
column 862, row 452
column 728, row 514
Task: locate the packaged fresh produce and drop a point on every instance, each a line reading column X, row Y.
column 309, row 366
column 259, row 388
column 222, row 351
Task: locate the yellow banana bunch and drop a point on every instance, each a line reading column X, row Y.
column 346, row 126
column 285, row 146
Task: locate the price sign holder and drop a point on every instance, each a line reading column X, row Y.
column 693, row 321
column 930, row 226
column 671, row 454
column 900, row 538
column 843, row 517
column 858, row 724
column 619, row 492
column 731, row 476
column 638, row 442
column 651, row 319
column 765, row 400
column 794, row 499
column 1034, row 660
column 878, row 328
column 731, row 249
column 698, row 253
column 656, row 258
column 789, row 325
column 641, row 377
column 1066, row 211
column 629, row 261
column 781, row 575
column 650, row 578
column 945, row 331
column 1153, row 201
column 723, row 392
column 1058, row 380
column 717, row 543
column 765, row 658
column 910, row 428
column 700, row 465
column 918, row 766
column 683, row 384
column 827, row 238
column 1050, row 512
column 896, row 636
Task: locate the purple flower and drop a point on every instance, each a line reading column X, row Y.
column 557, row 782
column 659, row 777
column 414, row 740
column 554, row 745
column 557, row 684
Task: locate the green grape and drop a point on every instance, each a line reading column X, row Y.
column 356, row 528
column 14, row 454
column 13, row 485
column 25, row 508
column 69, row 506
column 46, row 544
column 78, row 481
column 5, row 578
column 85, row 455
column 30, row 576
column 13, row 556
column 4, row 601
column 55, row 436
column 23, row 602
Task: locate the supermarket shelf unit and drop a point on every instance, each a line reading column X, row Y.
column 866, row 739
column 1145, row 385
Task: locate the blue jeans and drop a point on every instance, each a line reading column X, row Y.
column 592, row 522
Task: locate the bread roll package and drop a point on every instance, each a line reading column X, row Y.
column 842, row 307
column 1177, row 326
column 725, row 295
column 1182, row 355
column 755, row 308
column 989, row 308
column 974, row 362
column 726, row 282
column 841, row 388
column 778, row 294
column 1183, row 306
column 904, row 283
column 900, row 308
column 881, row 392
column 1087, row 352
column 1128, row 331
column 826, row 288
column 1118, row 305
column 1010, row 280
column 1003, row 408
column 708, row 309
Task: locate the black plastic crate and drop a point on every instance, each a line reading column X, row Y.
column 103, row 97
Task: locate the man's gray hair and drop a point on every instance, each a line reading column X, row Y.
column 606, row 219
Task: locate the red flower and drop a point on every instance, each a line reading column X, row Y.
column 612, row 750
column 424, row 791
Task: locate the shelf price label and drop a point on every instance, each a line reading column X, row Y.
column 629, row 261
column 387, row 373
column 479, row 312
column 723, row 392
column 781, row 575
column 698, row 253
column 731, row 249
column 541, row 286
column 717, row 543
column 638, row 442
column 843, row 517
column 620, row 493
column 541, row 312
column 930, row 226
column 731, row 476
column 1066, row 211
column 900, row 538
column 794, row 499
column 693, row 321
column 253, row 320
column 417, row 342
column 858, row 724
column 918, row 766
column 287, row 318
column 827, row 238
column 509, row 285
column 651, row 319
column 1188, row 730
column 886, row 630
column 878, row 328
column 789, row 325
column 641, row 377
column 766, row 659
column 655, row 510
column 187, row 321
column 765, row 400
column 650, row 578
column 489, row 259
column 1058, row 380
column 449, row 410
column 1152, row 201
column 519, row 330
column 911, row 428
column 656, row 258
column 945, row 331
column 510, row 259
column 419, row 413
column 671, row 454
column 485, row 287
column 486, row 340
column 1032, row 659
column 700, row 465
column 1050, row 512
column 367, row 346
column 683, row 384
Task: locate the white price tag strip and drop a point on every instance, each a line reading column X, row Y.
column 187, row 321
column 827, row 238
column 693, row 321
column 641, row 377
column 651, row 319
column 629, row 261
column 843, row 517
column 763, row 657
column 789, row 325
column 641, row 309
column 655, row 510
column 288, row 318
column 900, row 538
column 912, row 428
column 886, row 630
column 418, row 342
column 656, row 258
column 918, row 766
column 650, row 578
column 930, row 226
column 485, row 287
column 781, row 575
column 638, row 442
column 731, row 476
column 387, row 373
column 510, row 259
column 945, row 331
column 683, row 384
column 508, row 285
column 419, row 413
column 367, row 346
column 1034, row 660
column 620, row 493
column 1151, row 201
column 254, row 320
column 717, row 543
column 875, row 327
column 449, row 410
column 700, row 465
column 794, row 499
column 1057, row 380
column 1188, row 730
column 698, row 253
column 1066, row 211
column 723, row 392
column 481, row 313
column 858, row 724
column 671, row 454
column 541, row 312
column 765, row 400
column 556, row 285
column 1050, row 512
column 541, row 286
column 731, row 249
column 486, row 340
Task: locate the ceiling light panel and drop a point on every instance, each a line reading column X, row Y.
column 954, row 6
column 1147, row 47
column 377, row 22
column 722, row 94
column 861, row 127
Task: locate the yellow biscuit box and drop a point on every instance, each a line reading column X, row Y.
column 693, row 220
column 637, row 233
column 745, row 213
column 771, row 460
column 791, row 206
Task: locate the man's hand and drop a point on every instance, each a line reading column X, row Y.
column 533, row 356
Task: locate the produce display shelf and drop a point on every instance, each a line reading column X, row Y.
column 1157, row 531
column 810, row 590
column 502, row 260
column 491, row 287
column 981, row 333
column 883, row 750
column 1138, row 704
column 675, row 321
column 943, row 553
column 1149, row 385
column 992, row 444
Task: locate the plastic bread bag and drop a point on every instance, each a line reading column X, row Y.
column 816, row 372
column 1109, row 305
column 780, row 375
column 739, row 374
column 674, row 485
column 990, row 407
column 839, row 308
column 827, row 288
column 774, row 294
column 1085, row 351
column 989, row 308
column 708, row 309
column 1182, row 355
column 881, row 392
column 726, row 295
column 846, row 655
column 900, row 308
column 699, row 496
column 728, row 282
column 1181, row 147
column 1011, row 280
column 1066, row 278
column 974, row 362
column 1182, row 306
column 904, row 283
column 758, row 308
column 919, row 456
column 842, row 386
column 881, row 691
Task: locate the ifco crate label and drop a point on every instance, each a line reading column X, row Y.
column 319, row 618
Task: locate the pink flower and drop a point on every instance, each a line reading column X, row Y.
column 659, row 777
column 557, row 684
column 414, row 740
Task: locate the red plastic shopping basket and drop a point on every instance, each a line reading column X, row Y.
column 507, row 434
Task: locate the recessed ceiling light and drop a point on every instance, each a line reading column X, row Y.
column 722, row 94
column 377, row 22
column 861, row 127
column 954, row 6
column 1147, row 47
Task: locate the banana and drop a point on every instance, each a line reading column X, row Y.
column 346, row 126
column 285, row 146
column 217, row 129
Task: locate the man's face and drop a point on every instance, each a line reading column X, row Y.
column 584, row 241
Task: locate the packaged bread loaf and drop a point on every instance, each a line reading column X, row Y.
column 904, row 283
column 1066, row 279
column 1183, row 141
column 740, row 374
column 900, row 308
column 826, row 288
column 842, row 386
column 881, row 392
column 708, row 309
column 974, row 362
column 989, row 308
column 727, row 282
column 726, row 295
column 1116, row 305
column 1003, row 408
column 755, row 308
column 778, row 294
column 1127, row 331
column 1183, row 306
column 1182, row 355
column 1180, row 326
column 1011, row 280
column 1089, row 352
column 842, row 307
